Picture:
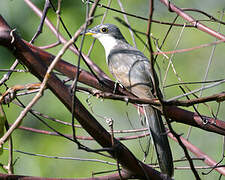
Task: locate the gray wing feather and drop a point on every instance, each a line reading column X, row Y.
column 132, row 69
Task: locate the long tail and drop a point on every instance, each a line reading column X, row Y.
column 160, row 140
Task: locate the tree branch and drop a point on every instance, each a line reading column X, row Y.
column 171, row 7
column 36, row 66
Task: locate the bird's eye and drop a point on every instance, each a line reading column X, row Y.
column 104, row 30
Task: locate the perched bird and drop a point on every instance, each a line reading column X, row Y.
column 133, row 70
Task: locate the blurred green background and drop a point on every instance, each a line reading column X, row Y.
column 190, row 66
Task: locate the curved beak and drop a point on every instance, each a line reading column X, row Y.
column 88, row 32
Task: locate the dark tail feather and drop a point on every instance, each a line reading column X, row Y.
column 161, row 143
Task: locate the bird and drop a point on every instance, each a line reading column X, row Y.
column 132, row 69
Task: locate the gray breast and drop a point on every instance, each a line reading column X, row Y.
column 132, row 69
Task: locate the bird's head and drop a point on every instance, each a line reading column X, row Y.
column 108, row 34
column 105, row 30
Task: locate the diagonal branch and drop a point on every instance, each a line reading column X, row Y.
column 173, row 112
column 171, row 7
column 62, row 92
column 198, row 153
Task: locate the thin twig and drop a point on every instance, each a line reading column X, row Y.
column 126, row 20
column 63, row 158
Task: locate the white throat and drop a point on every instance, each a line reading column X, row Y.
column 107, row 41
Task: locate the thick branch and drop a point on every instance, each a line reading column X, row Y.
column 193, row 119
column 173, row 112
column 36, row 66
